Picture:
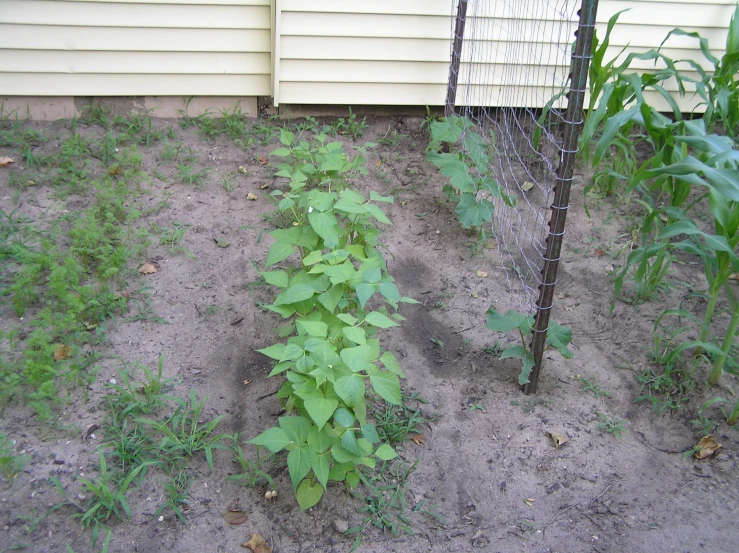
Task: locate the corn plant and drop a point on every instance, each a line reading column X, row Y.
column 333, row 352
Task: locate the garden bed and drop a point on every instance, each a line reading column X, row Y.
column 478, row 467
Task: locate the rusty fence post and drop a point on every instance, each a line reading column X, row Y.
column 573, row 125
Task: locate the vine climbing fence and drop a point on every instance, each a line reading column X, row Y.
column 518, row 72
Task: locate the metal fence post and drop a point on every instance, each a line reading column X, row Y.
column 451, row 91
column 573, row 125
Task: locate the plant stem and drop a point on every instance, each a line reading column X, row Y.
column 728, row 341
column 734, row 416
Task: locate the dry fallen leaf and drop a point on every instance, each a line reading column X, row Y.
column 243, row 170
column 265, row 185
column 599, row 253
column 528, row 501
column 5, row 161
column 734, row 276
column 706, row 447
column 247, row 381
column 147, row 269
column 251, row 196
column 609, row 268
column 262, row 160
column 557, row 438
column 481, row 274
column 378, row 163
column 235, row 517
column 527, row 185
column 473, row 294
column 257, row 544
column 62, row 352
column 418, row 439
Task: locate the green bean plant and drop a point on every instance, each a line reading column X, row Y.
column 558, row 336
column 336, row 297
column 471, row 183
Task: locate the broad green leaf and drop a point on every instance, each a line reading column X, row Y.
column 348, row 206
column 340, row 273
column 364, row 293
column 276, row 278
column 459, row 176
column 318, row 329
column 375, row 318
column 279, row 252
column 385, row 452
column 375, row 197
column 286, row 137
column 279, row 368
column 325, row 226
column 344, row 418
column 387, row 386
column 312, row 258
column 350, row 389
column 280, row 152
column 292, row 352
column 356, row 358
column 348, row 319
column 370, row 433
column 349, row 442
column 509, row 321
column 294, row 294
column 560, row 337
column 322, row 469
column 299, row 462
column 390, row 291
column 527, row 360
column 331, row 297
column 473, row 213
column 341, row 455
column 320, row 409
column 352, row 479
column 276, row 351
column 355, row 334
column 372, row 275
column 377, row 213
column 391, row 363
column 296, row 428
column 308, row 494
column 289, row 236
column 274, row 439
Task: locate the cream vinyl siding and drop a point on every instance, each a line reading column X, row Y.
column 135, row 48
column 397, row 52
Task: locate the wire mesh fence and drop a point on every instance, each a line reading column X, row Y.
column 515, row 75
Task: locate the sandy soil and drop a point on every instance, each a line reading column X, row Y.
column 493, row 473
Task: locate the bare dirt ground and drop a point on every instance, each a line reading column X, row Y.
column 486, row 465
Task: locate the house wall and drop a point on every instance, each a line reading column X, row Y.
column 135, row 48
column 391, row 52
column 376, row 52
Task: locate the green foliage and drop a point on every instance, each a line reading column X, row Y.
column 611, row 426
column 471, row 183
column 558, row 336
column 11, row 464
column 690, row 165
column 349, row 126
column 252, row 472
column 183, row 434
column 334, row 353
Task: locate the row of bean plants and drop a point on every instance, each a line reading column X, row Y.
column 336, row 294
